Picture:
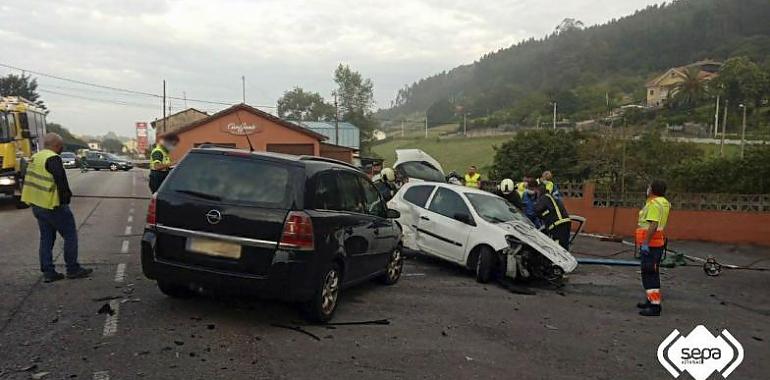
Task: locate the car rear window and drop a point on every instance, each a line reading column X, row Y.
column 232, row 179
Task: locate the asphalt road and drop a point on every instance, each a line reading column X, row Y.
column 442, row 323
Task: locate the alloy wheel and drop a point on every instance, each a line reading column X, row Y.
column 395, row 265
column 330, row 291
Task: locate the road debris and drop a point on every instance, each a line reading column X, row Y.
column 106, row 309
column 372, row 322
column 39, row 375
column 297, row 329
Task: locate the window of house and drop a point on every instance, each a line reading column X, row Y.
column 652, row 92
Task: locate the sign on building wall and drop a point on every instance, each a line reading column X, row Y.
column 241, row 129
column 142, row 143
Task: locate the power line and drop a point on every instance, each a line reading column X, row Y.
column 118, row 89
column 110, row 101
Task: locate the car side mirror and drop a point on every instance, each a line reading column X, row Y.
column 392, row 214
column 465, row 218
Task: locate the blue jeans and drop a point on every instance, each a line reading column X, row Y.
column 50, row 222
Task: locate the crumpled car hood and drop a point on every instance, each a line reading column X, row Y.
column 530, row 236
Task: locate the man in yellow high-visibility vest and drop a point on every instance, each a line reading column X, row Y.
column 472, row 178
column 651, row 240
column 160, row 161
column 47, row 191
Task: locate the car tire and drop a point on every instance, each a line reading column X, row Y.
column 394, row 268
column 321, row 307
column 113, row 167
column 174, row 290
column 97, row 169
column 485, row 265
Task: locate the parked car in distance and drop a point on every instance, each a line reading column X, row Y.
column 294, row 228
column 478, row 230
column 102, row 160
column 69, row 160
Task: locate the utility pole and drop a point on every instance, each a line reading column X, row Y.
column 336, row 120
column 465, row 124
column 716, row 119
column 743, row 130
column 426, row 125
column 554, row 115
column 724, row 130
column 243, row 87
column 402, row 128
column 184, row 95
column 164, row 106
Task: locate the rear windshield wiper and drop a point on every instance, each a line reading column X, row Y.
column 200, row 194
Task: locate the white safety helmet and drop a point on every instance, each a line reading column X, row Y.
column 507, row 186
column 388, row 174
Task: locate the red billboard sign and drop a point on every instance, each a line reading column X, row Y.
column 142, row 143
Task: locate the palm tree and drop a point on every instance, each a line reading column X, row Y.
column 689, row 91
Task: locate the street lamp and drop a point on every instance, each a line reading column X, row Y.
column 743, row 129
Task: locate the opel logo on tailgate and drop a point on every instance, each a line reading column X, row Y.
column 214, row 216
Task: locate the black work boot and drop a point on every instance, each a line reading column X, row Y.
column 52, row 276
column 651, row 311
column 644, row 305
column 80, row 273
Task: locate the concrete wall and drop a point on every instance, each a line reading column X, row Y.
column 268, row 132
column 713, row 226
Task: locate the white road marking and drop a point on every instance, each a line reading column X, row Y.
column 128, row 230
column 120, row 273
column 413, row 274
column 111, row 323
column 131, row 210
column 101, row 375
column 130, row 219
column 124, row 247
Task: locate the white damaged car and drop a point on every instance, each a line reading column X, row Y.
column 478, row 230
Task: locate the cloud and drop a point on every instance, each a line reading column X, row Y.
column 203, row 47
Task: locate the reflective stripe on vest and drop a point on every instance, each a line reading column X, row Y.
column 521, row 188
column 559, row 218
column 39, row 186
column 657, row 240
column 166, row 157
column 472, row 181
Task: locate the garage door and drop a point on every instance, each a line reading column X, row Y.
column 296, row 149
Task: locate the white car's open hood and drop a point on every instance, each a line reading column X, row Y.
column 416, row 155
column 538, row 241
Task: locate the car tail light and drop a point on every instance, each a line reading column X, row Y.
column 152, row 217
column 297, row 232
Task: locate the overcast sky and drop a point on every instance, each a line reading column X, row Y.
column 203, row 47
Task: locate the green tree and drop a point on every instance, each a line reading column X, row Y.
column 742, row 80
column 112, row 145
column 355, row 97
column 532, row 152
column 687, row 93
column 298, row 104
column 70, row 141
column 21, row 85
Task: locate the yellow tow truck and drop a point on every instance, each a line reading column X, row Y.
column 22, row 127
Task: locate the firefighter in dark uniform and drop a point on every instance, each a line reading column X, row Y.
column 507, row 191
column 551, row 211
column 160, row 160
